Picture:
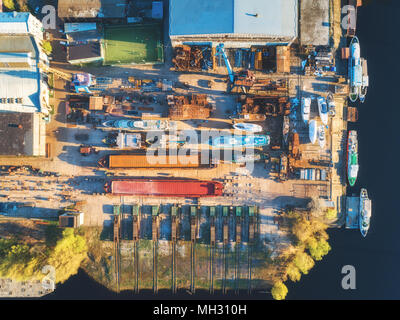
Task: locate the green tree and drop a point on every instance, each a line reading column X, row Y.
column 21, row 262
column 67, row 255
column 279, row 291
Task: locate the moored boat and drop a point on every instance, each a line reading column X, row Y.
column 331, row 105
column 250, row 127
column 240, row 141
column 312, row 133
column 352, row 157
column 323, row 109
column 364, row 81
column 305, row 109
column 365, row 212
column 321, row 136
column 355, row 70
column 147, row 125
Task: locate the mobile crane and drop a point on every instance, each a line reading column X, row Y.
column 244, row 79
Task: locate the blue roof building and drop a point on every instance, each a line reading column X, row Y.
column 237, row 23
column 20, row 23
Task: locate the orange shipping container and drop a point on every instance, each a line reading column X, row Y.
column 147, row 161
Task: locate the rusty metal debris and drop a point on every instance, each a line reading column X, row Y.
column 184, row 107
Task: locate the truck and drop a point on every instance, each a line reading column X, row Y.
column 164, row 188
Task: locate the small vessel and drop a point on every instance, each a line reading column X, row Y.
column 352, row 157
column 285, row 129
column 147, row 125
column 246, row 158
column 364, row 81
column 355, row 70
column 323, row 110
column 250, row 127
column 240, row 141
column 365, row 212
column 312, row 131
column 321, row 136
column 331, row 105
column 305, row 109
column 150, row 125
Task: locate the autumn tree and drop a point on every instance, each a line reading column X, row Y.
column 279, row 291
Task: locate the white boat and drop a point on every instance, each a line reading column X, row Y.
column 154, row 124
column 321, row 136
column 355, row 70
column 331, row 105
column 249, row 127
column 323, row 110
column 365, row 212
column 147, row 125
column 286, row 129
column 364, row 80
column 312, row 133
column 305, row 109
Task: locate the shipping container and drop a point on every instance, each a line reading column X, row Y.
column 144, row 161
column 164, row 188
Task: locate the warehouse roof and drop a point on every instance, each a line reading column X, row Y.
column 85, row 51
column 19, row 75
column 314, row 22
column 16, row 131
column 92, row 8
column 14, row 16
column 272, row 18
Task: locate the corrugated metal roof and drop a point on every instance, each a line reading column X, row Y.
column 92, row 8
column 20, row 83
column 272, row 18
column 314, row 22
column 16, row 133
column 79, row 27
column 147, row 161
column 14, row 16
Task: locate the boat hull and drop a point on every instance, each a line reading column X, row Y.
column 365, row 212
column 321, row 137
column 164, row 188
column 323, row 110
column 312, row 133
column 305, row 109
column 352, row 157
column 248, row 127
column 240, row 141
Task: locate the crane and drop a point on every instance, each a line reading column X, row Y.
column 60, row 74
column 244, row 80
column 73, row 78
column 220, row 51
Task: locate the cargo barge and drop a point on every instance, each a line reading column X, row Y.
column 164, row 188
column 144, row 161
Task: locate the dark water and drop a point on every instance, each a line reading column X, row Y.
column 377, row 257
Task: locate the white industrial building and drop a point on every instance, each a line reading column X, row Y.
column 24, row 93
column 17, row 23
column 236, row 23
column 22, row 84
